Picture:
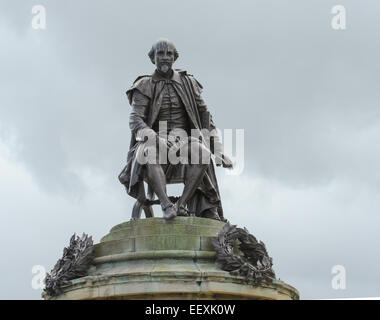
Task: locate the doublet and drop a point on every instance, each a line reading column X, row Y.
column 172, row 111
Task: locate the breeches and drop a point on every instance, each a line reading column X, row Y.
column 175, row 156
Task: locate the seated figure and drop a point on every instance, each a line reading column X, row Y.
column 173, row 139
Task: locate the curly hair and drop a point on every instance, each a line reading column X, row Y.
column 162, row 43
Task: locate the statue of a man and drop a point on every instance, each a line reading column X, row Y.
column 173, row 97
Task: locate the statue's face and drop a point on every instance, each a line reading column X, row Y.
column 164, row 58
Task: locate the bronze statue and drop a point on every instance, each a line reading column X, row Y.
column 172, row 97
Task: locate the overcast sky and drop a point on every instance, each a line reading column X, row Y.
column 306, row 95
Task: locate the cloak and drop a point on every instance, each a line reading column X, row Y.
column 145, row 97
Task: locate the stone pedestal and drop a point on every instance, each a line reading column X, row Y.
column 158, row 259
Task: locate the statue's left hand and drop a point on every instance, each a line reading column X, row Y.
column 226, row 162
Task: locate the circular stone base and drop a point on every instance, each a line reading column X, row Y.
column 158, row 259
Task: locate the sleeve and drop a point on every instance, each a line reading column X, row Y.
column 140, row 106
column 206, row 118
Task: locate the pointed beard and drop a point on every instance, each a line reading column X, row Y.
column 164, row 68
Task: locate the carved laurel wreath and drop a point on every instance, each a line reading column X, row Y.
column 76, row 260
column 254, row 264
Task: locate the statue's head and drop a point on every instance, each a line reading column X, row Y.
column 163, row 54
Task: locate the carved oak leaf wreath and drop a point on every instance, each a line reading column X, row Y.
column 77, row 259
column 254, row 264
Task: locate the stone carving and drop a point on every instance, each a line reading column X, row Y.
column 255, row 264
column 76, row 260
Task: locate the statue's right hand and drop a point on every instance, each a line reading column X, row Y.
column 146, row 134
